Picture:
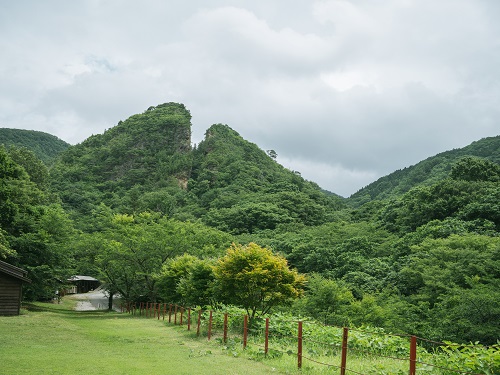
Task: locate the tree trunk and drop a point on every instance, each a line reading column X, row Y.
column 110, row 301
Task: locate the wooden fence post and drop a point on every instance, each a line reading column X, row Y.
column 225, row 327
column 170, row 313
column 413, row 355
column 199, row 322
column 343, row 363
column 266, row 342
column 299, row 346
column 210, row 326
column 245, row 331
column 189, row 318
column 175, row 314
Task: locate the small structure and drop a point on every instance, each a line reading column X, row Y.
column 11, row 288
column 82, row 284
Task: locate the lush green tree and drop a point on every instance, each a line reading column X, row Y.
column 197, row 287
column 454, row 278
column 256, row 279
column 447, row 263
column 129, row 251
column 36, row 169
column 466, row 200
column 247, row 217
column 33, row 230
column 171, row 274
column 337, row 248
column 470, row 314
column 326, row 300
column 5, row 249
column 472, row 168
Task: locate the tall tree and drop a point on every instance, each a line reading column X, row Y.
column 256, row 279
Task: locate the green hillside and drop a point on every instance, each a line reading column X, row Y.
column 45, row 146
column 152, row 216
column 426, row 172
column 243, row 190
column 146, row 163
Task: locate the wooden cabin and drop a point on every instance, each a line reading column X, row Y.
column 11, row 288
column 82, row 284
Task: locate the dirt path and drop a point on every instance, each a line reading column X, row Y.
column 94, row 300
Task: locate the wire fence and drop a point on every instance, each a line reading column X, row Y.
column 347, row 350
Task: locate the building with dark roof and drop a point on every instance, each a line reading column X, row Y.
column 11, row 288
column 83, row 284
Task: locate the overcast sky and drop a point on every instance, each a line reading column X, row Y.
column 344, row 91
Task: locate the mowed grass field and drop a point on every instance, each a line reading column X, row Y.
column 55, row 339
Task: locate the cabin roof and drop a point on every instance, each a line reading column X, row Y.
column 81, row 278
column 14, row 271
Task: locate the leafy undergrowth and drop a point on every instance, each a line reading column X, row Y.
column 370, row 350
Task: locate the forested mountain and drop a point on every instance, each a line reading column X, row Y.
column 45, row 146
column 417, row 252
column 426, row 172
column 146, row 163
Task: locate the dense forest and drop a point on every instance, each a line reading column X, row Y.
column 157, row 218
column 45, row 146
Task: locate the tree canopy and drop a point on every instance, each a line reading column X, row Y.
column 256, row 279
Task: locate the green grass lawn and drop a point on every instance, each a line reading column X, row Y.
column 54, row 339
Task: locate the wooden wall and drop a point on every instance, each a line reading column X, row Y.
column 10, row 295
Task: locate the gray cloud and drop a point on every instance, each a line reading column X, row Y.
column 344, row 91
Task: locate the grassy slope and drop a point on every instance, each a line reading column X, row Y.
column 57, row 340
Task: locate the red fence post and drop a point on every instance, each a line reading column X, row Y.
column 225, row 327
column 210, row 326
column 245, row 331
column 299, row 346
column 189, row 319
column 199, row 322
column 413, row 355
column 266, row 343
column 343, row 363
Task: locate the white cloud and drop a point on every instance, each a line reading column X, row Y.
column 344, row 91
